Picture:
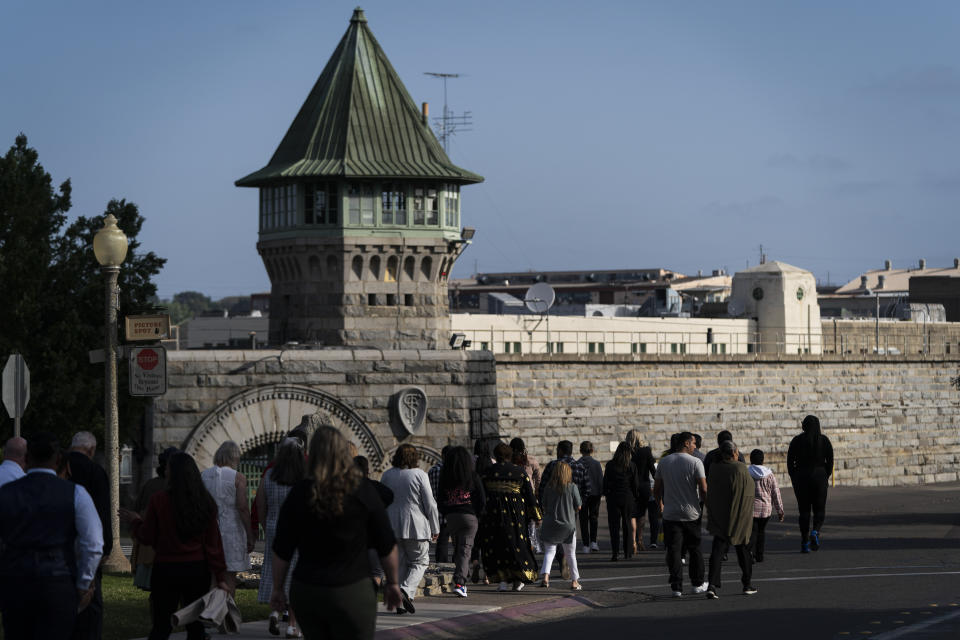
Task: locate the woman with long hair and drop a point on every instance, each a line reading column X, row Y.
column 642, row 457
column 621, row 488
column 181, row 526
column 288, row 469
column 330, row 518
column 414, row 518
column 511, row 503
column 810, row 465
column 522, row 458
column 229, row 491
column 461, row 500
column 560, row 501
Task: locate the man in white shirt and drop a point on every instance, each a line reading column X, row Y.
column 51, row 542
column 681, row 488
column 14, row 460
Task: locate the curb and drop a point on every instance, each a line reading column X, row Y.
column 482, row 622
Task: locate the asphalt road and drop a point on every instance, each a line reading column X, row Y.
column 889, row 567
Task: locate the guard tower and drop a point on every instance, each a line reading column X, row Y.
column 360, row 211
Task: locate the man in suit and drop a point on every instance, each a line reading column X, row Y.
column 91, row 476
column 51, row 542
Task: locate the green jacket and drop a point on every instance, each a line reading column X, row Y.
column 730, row 492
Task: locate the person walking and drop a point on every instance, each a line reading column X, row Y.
column 810, row 465
column 288, row 469
column 590, row 512
column 642, row 457
column 522, row 458
column 766, row 499
column 681, row 488
column 414, row 518
column 14, row 460
column 730, row 516
column 621, row 488
column 82, row 470
column 330, row 519
column 442, row 551
column 181, row 526
column 52, row 546
column 507, row 555
column 461, row 501
column 560, row 503
column 142, row 555
column 229, row 491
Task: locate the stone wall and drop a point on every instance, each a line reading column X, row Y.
column 255, row 397
column 890, row 421
column 896, row 337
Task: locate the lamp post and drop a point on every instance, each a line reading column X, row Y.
column 110, row 248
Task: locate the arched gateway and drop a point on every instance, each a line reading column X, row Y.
column 264, row 415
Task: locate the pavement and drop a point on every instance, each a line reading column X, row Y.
column 889, row 568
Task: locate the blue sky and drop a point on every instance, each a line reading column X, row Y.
column 611, row 134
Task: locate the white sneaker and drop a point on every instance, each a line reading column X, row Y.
column 460, row 590
column 702, row 588
column 584, row 549
column 677, row 594
column 518, row 586
column 683, row 561
column 594, row 546
column 504, row 586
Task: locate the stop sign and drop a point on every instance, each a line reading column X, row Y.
column 147, row 359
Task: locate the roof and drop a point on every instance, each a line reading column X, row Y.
column 773, row 266
column 359, row 122
column 895, row 279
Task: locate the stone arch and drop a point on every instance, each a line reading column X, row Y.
column 357, row 268
column 375, row 268
column 264, row 415
column 333, row 267
column 426, row 268
column 409, row 266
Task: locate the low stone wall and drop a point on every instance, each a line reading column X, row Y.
column 254, row 397
column 891, row 421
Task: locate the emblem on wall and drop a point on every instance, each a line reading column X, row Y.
column 410, row 409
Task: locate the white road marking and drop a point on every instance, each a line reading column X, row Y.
column 799, row 578
column 913, row 628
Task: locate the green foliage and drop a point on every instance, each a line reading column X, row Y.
column 126, row 609
column 53, row 311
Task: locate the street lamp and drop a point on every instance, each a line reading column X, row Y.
column 110, row 248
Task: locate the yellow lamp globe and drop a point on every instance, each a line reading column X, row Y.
column 110, row 243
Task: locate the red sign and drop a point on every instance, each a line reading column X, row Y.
column 147, row 359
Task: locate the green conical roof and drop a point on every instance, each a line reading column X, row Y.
column 359, row 122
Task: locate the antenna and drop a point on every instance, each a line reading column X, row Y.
column 448, row 124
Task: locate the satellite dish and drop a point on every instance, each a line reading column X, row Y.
column 539, row 297
column 735, row 308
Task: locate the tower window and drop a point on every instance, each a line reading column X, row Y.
column 451, row 205
column 320, row 203
column 425, row 206
column 278, row 206
column 393, row 204
column 361, row 203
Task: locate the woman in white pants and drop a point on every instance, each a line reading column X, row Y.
column 560, row 501
column 414, row 518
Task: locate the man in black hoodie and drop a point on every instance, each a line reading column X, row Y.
column 810, row 465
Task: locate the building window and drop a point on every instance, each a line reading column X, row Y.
column 511, row 347
column 372, row 299
column 638, row 347
column 320, row 203
column 278, row 206
column 393, row 204
column 451, row 205
column 596, row 347
column 554, row 347
column 425, row 206
column 676, row 347
column 361, row 203
column 484, row 346
column 718, row 348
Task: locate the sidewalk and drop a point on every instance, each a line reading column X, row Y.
column 446, row 614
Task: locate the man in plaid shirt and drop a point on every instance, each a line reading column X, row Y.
column 766, row 498
column 580, row 477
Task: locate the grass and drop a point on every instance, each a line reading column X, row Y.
column 126, row 612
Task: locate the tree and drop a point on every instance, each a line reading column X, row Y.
column 54, row 295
